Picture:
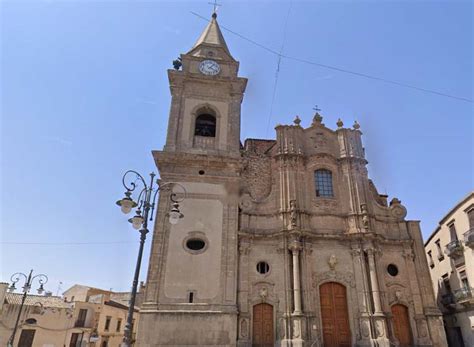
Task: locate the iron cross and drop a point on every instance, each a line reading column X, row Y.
column 215, row 4
column 316, row 108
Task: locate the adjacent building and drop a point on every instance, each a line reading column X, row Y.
column 83, row 317
column 450, row 255
column 285, row 241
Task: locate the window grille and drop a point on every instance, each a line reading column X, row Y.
column 323, row 182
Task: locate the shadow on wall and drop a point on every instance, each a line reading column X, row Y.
column 447, row 303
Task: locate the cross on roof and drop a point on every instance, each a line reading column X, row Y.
column 215, row 5
column 316, row 108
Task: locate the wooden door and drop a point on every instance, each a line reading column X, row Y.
column 334, row 315
column 262, row 326
column 401, row 325
column 26, row 338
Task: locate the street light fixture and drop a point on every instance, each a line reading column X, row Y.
column 145, row 202
column 15, row 278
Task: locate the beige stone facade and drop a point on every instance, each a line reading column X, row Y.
column 449, row 251
column 84, row 317
column 284, row 242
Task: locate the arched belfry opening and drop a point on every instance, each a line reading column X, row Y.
column 205, row 124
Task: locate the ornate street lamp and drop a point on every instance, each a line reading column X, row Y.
column 145, row 202
column 15, row 278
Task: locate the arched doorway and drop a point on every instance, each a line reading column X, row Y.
column 334, row 315
column 401, row 325
column 262, row 332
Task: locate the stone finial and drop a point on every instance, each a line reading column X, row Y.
column 356, row 125
column 317, row 119
column 297, row 120
column 339, row 123
column 395, row 201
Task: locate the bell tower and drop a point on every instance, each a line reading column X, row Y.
column 206, row 98
column 191, row 292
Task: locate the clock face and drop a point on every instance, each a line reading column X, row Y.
column 209, row 67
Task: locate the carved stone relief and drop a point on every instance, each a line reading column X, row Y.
column 346, row 278
column 332, row 262
column 244, row 328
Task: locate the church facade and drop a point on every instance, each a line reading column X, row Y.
column 284, row 242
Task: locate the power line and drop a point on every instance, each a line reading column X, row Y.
column 401, row 84
column 277, row 72
column 335, row 68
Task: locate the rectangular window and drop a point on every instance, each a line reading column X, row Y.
column 75, row 340
column 81, row 318
column 447, row 285
column 430, row 260
column 107, row 323
column 464, row 280
column 323, row 183
column 440, row 251
column 452, row 232
column 470, row 216
column 119, row 324
column 191, row 297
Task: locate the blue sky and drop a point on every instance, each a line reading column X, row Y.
column 84, row 97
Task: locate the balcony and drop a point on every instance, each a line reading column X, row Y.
column 454, row 249
column 469, row 238
column 464, row 296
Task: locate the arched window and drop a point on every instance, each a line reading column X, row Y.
column 205, row 125
column 323, row 183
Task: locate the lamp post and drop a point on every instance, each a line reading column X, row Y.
column 15, row 278
column 145, row 202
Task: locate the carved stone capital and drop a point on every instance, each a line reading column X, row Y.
column 356, row 251
column 408, row 254
column 244, row 247
column 295, row 246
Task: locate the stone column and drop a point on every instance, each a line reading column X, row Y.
column 295, row 248
column 297, row 316
column 379, row 322
column 360, row 276
column 373, row 281
column 243, row 288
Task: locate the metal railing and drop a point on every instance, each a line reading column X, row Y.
column 454, row 248
column 464, row 294
column 469, row 238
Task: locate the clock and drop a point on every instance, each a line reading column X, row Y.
column 209, row 67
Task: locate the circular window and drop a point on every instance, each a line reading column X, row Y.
column 195, row 244
column 201, row 172
column 392, row 270
column 263, row 267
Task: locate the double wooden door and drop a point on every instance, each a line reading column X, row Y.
column 334, row 315
column 262, row 332
column 401, row 325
